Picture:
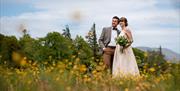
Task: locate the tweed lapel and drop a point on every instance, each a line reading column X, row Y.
column 109, row 33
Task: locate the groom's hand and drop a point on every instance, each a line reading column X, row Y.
column 104, row 49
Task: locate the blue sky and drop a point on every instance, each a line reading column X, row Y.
column 152, row 22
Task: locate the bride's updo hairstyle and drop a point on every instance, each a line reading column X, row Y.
column 123, row 19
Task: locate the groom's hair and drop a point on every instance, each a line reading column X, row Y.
column 115, row 17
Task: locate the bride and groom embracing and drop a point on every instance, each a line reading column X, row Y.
column 120, row 63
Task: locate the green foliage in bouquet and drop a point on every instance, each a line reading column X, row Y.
column 122, row 41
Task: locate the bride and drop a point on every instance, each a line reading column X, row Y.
column 124, row 63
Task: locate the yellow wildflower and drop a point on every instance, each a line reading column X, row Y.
column 100, row 63
column 70, row 63
column 57, row 78
column 68, row 88
column 126, row 89
column 120, row 82
column 94, row 71
column 152, row 69
column 83, row 68
column 23, row 62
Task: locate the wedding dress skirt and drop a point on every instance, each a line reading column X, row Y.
column 124, row 63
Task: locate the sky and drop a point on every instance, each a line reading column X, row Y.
column 152, row 22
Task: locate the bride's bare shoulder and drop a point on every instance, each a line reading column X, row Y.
column 128, row 31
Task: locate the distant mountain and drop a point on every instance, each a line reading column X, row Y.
column 170, row 55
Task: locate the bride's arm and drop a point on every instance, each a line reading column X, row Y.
column 130, row 38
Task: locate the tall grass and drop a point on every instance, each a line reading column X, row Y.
column 73, row 76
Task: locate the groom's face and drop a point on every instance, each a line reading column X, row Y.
column 114, row 22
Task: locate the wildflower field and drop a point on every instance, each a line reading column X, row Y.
column 72, row 76
column 57, row 63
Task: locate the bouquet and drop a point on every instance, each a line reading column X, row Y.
column 122, row 41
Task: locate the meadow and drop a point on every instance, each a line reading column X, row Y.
column 73, row 76
column 58, row 63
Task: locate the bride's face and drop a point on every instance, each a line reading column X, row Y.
column 122, row 24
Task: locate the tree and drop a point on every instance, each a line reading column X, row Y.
column 140, row 57
column 8, row 44
column 28, row 46
column 66, row 32
column 160, row 50
column 82, row 50
column 92, row 40
column 55, row 45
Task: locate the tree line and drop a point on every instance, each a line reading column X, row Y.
column 56, row 47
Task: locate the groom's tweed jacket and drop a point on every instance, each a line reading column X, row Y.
column 105, row 37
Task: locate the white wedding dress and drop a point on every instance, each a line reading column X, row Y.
column 124, row 63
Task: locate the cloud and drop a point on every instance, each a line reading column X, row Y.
column 146, row 18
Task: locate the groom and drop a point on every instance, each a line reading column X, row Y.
column 107, row 42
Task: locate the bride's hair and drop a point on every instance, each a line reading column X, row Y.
column 123, row 19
